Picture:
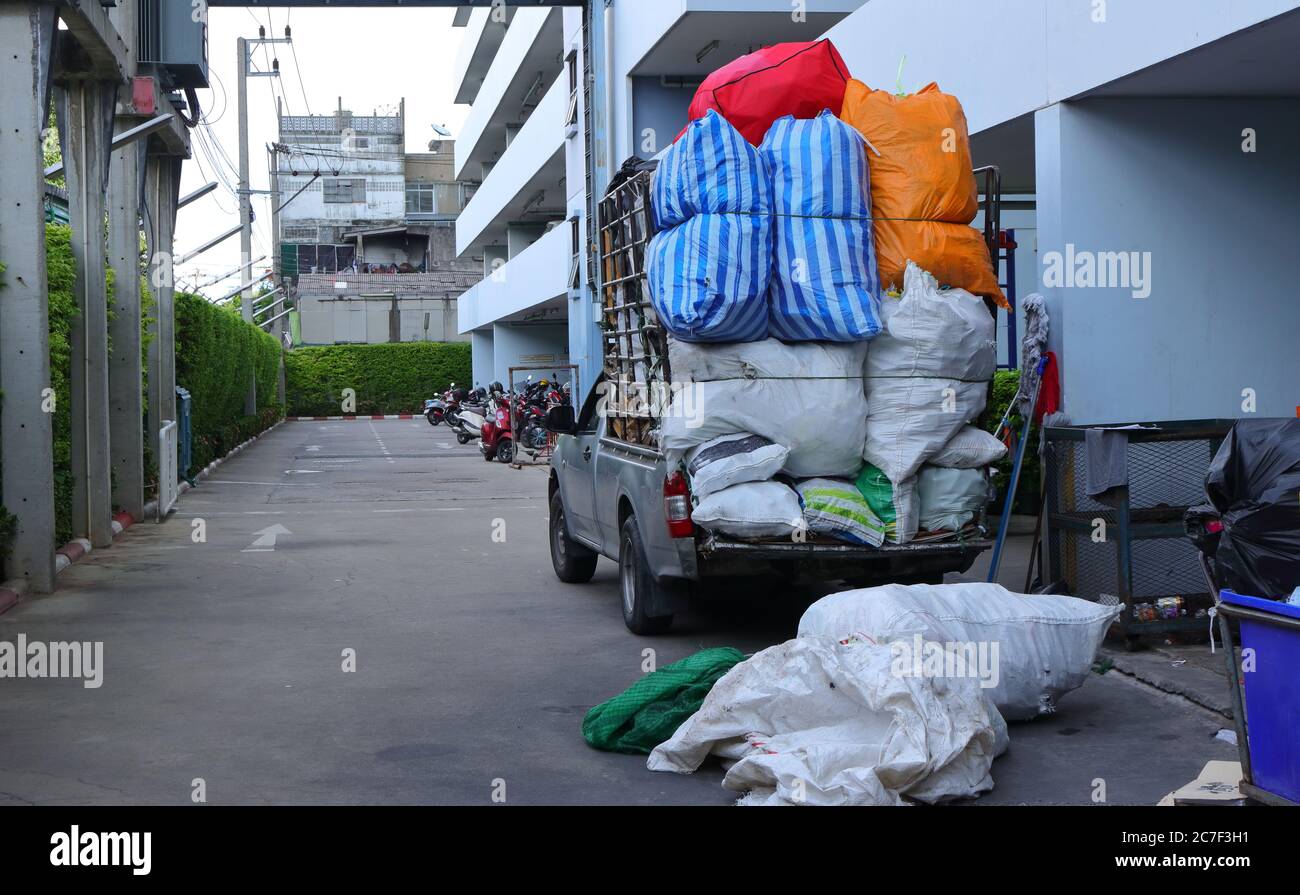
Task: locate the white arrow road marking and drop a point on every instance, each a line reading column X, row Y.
column 301, row 471
column 265, row 542
column 313, row 448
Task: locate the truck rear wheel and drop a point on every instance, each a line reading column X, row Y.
column 640, row 591
column 574, row 564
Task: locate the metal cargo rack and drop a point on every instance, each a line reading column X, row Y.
column 1145, row 554
column 635, row 345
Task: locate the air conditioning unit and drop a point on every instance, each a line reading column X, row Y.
column 174, row 36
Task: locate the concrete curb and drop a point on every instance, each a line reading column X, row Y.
column 1157, row 669
column 13, row 590
column 350, row 418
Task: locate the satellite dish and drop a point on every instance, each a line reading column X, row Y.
column 440, row 130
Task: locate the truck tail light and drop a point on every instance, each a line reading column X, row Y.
column 677, row 506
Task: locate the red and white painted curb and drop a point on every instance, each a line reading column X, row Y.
column 350, row 418
column 11, row 591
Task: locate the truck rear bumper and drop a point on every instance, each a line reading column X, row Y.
column 720, row 557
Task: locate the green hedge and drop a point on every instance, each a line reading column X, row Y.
column 1005, row 383
column 215, row 349
column 210, row 350
column 387, row 378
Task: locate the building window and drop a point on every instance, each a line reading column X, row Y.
column 575, row 262
column 419, row 198
column 571, row 65
column 343, row 190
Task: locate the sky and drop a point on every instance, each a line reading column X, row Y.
column 371, row 58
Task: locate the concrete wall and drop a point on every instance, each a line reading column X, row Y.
column 1039, row 52
column 658, row 114
column 1169, row 177
column 482, row 357
column 514, row 345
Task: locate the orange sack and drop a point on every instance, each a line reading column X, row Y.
column 923, row 193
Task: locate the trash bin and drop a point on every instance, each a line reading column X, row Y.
column 1271, row 678
column 185, row 432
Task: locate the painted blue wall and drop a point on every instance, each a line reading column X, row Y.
column 1169, row 177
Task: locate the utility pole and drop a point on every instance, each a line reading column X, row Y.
column 245, row 192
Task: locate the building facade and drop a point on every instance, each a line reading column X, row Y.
column 366, row 232
column 559, row 101
column 1150, row 150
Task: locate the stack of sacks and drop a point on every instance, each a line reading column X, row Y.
column 730, row 483
column 799, row 79
column 824, row 283
column 836, row 508
column 923, row 192
column 927, row 378
column 954, row 486
column 807, row 397
column 710, row 264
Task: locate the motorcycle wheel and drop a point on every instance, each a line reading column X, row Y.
column 506, row 451
column 433, row 418
column 462, row 438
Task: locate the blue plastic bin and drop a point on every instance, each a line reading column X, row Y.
column 1272, row 694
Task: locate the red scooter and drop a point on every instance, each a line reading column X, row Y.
column 497, row 440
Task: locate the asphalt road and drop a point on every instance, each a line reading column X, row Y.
column 223, row 656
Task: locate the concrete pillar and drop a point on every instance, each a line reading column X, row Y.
column 125, row 366
column 26, row 423
column 161, row 196
column 125, row 371
column 87, row 139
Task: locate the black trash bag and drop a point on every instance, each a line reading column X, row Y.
column 1254, row 484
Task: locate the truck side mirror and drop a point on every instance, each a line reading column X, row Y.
column 560, row 420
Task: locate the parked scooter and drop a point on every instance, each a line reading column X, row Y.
column 498, row 440
column 468, row 417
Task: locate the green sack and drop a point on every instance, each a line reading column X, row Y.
column 879, row 493
column 650, row 711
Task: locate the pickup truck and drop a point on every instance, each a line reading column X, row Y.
column 614, row 498
column 612, row 492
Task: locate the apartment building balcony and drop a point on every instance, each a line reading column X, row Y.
column 524, row 65
column 685, row 38
column 526, row 184
column 533, row 284
column 485, row 28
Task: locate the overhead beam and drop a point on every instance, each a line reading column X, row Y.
column 99, row 51
column 125, row 138
column 197, row 194
column 189, row 256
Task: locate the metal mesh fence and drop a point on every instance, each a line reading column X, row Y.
column 1087, row 541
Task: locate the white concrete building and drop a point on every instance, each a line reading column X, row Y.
column 1151, row 141
column 537, row 137
column 366, row 235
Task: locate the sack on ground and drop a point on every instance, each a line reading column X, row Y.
column 799, row 79
column 1035, row 648
column 709, row 270
column 894, row 505
column 815, row 722
column 732, row 460
column 824, row 285
column 646, row 713
column 949, row 498
column 927, row 373
column 923, row 191
column 751, row 510
column 837, row 508
column 807, row 397
column 970, row 448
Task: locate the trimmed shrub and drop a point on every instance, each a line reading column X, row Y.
column 215, row 349
column 392, row 377
column 1028, row 495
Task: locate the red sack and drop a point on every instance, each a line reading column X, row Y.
column 799, row 79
